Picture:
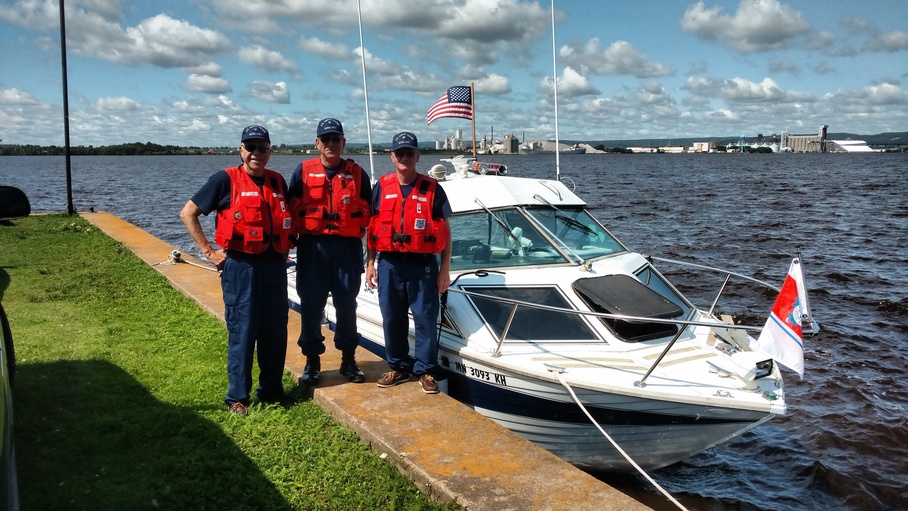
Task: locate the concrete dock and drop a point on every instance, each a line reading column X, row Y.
column 447, row 449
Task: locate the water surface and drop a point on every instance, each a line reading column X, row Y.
column 844, row 442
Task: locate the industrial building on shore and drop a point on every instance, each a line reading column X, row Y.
column 784, row 143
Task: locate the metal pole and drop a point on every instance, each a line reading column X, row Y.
column 70, row 209
column 362, row 47
column 555, row 92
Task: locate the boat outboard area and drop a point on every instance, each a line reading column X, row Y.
column 550, row 317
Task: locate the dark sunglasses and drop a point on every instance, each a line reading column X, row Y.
column 405, row 153
column 262, row 148
column 330, row 140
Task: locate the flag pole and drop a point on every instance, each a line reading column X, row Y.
column 473, row 116
column 806, row 314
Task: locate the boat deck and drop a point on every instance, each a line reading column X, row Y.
column 447, row 449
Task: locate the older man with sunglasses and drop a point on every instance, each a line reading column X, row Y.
column 330, row 203
column 254, row 229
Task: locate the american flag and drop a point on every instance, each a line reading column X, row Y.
column 455, row 103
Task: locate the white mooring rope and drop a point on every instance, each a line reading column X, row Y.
column 177, row 257
column 558, row 372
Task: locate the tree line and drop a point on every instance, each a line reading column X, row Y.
column 134, row 148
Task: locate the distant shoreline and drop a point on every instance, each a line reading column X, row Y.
column 891, row 141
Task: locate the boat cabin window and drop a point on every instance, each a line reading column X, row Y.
column 509, row 238
column 576, row 231
column 530, row 323
column 624, row 295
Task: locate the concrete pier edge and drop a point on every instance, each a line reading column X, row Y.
column 450, row 451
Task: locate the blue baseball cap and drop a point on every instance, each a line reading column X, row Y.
column 255, row 132
column 329, row 125
column 404, row 139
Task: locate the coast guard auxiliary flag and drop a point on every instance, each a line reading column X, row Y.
column 456, row 103
column 782, row 337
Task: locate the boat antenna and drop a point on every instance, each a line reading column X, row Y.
column 555, row 89
column 70, row 209
column 362, row 54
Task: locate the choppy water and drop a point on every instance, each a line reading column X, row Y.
column 844, row 443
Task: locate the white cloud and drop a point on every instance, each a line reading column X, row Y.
column 207, row 84
column 120, row 105
column 741, row 90
column 167, row 42
column 620, row 58
column 493, row 85
column 330, row 51
column 571, row 83
column 266, row 59
column 16, row 97
column 757, row 26
column 271, row 92
column 36, row 14
column 161, row 41
column 886, row 94
column 889, row 42
column 111, row 10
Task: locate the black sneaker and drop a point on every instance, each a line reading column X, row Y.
column 352, row 371
column 312, row 371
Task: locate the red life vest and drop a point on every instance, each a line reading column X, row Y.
column 406, row 225
column 331, row 206
column 257, row 218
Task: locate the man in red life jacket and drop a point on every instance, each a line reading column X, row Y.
column 330, row 203
column 409, row 228
column 253, row 228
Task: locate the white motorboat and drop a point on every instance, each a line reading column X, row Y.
column 549, row 317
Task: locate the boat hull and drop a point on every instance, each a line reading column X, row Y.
column 654, row 433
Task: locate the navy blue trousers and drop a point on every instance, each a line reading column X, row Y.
column 328, row 264
column 409, row 282
column 255, row 309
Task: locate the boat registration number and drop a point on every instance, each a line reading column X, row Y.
column 480, row 374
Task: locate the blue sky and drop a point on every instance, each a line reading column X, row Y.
column 195, row 72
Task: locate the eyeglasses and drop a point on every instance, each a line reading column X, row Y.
column 404, row 153
column 331, row 140
column 261, row 148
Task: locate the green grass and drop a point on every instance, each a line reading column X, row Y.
column 119, row 395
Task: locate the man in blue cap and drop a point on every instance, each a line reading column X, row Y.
column 254, row 234
column 330, row 203
column 409, row 228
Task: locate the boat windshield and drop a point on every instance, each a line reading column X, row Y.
column 576, row 231
column 500, row 238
